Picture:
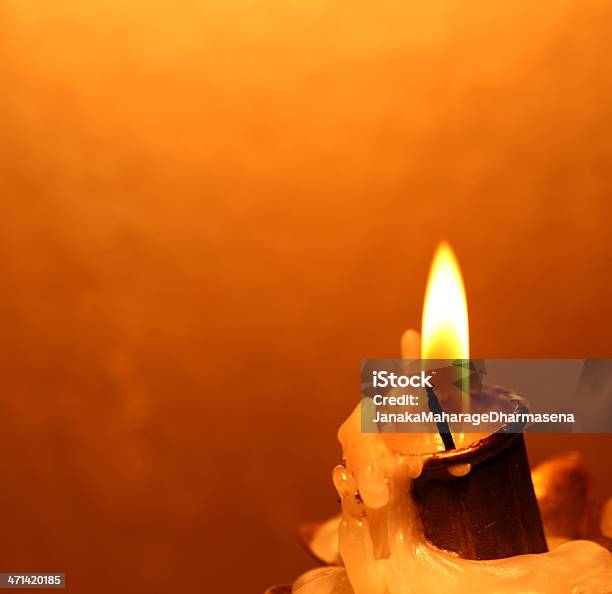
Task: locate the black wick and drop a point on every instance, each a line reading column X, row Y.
column 443, row 428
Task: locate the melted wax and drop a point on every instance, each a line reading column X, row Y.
column 382, row 544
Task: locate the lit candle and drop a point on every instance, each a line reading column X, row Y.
column 463, row 502
column 382, row 533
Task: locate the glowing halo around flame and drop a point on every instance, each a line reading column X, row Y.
column 445, row 333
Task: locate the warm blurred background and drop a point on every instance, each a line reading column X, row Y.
column 213, row 210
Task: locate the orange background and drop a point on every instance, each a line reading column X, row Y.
column 213, row 210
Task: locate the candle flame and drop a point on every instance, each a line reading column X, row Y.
column 445, row 333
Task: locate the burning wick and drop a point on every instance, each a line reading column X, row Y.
column 445, row 325
column 443, row 429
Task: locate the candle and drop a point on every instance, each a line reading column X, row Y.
column 396, row 492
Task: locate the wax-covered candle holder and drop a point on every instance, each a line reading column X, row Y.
column 478, row 501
